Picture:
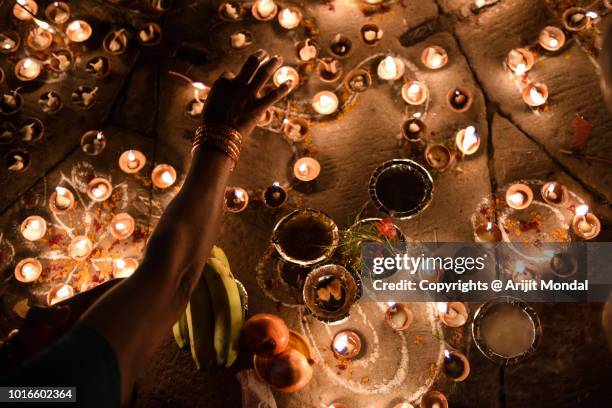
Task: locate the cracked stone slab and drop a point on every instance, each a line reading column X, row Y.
column 570, row 76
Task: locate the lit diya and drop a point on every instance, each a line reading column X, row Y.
column 467, row 140
column 414, row 130
column 306, row 169
column 346, row 345
column 488, row 233
column 358, row 80
column 31, row 129
column 439, row 157
column 434, row 399
column 401, row 188
column 329, row 69
column 459, row 99
column 307, row 50
column 241, row 39
column 132, row 161
column 456, row 365
column 506, row 330
column 284, row 74
column 452, row 314
column 585, row 224
column 58, row 293
column 564, row 265
column 98, row 67
column 80, row 248
column 28, row 69
column 150, row 34
column 264, row 10
column 39, row 39
column 61, row 60
column 9, row 41
column 84, row 96
column 61, row 200
column 236, row 199
column 305, row 237
column 551, row 38
column 99, row 189
column 371, row 34
column 398, row 316
column 10, row 103
column 554, row 193
column 50, row 102
column 122, row 226
column 28, row 270
column 519, row 196
column 576, row 19
column 78, row 31
column 390, row 68
column 275, row 196
column 415, row 92
column 24, row 9
column 115, row 42
column 58, row 12
column 535, row 94
column 520, row 60
column 329, row 292
column 93, row 142
column 124, row 267
column 325, row 102
column 340, row 46
column 295, row 129
column 17, row 160
column 33, row 228
column 230, row 11
column 434, row 57
column 163, row 176
column 290, row 18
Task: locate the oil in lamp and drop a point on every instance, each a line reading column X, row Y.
column 80, row 248
column 264, row 10
column 33, row 228
column 551, row 38
column 398, row 316
column 390, row 68
column 290, row 18
column 415, row 92
column 27, row 69
column 452, row 314
column 99, row 189
column 163, row 176
column 467, row 140
column 519, row 196
column 585, row 224
column 61, row 200
column 78, row 31
column 434, row 57
column 28, row 270
column 132, row 161
column 122, row 226
column 236, row 199
column 346, row 345
column 306, row 169
column 325, row 102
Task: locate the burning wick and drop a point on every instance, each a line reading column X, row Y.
column 28, row 270
column 390, row 68
column 132, row 162
column 325, row 102
column 63, row 199
column 33, row 228
column 398, row 316
column 453, row 314
column 467, row 140
column 80, row 248
column 289, row 18
column 346, row 345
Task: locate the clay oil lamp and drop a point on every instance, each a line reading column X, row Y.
column 577, row 18
column 439, row 157
column 284, row 74
column 585, row 224
column 115, row 42
column 519, row 196
column 401, row 188
column 520, row 60
column 325, row 102
column 307, row 50
column 28, row 69
column 9, row 41
column 295, row 129
column 163, row 176
column 563, row 265
column 58, row 12
column 488, row 233
column 93, row 142
column 456, row 365
column 39, row 39
column 275, row 196
column 17, row 160
column 459, row 99
column 50, row 102
column 61, row 200
column 522, row 273
column 371, row 34
column 230, row 11
column 236, row 199
column 99, row 189
column 398, row 316
column 124, row 267
column 150, row 34
column 25, row 9
column 452, row 314
column 305, row 237
column 535, row 94
column 84, row 96
column 551, row 38
column 329, row 293
column 290, row 18
column 414, row 130
column 434, row 57
column 467, row 141
column 340, row 46
column 33, row 228
column 415, row 92
column 61, row 60
column 80, row 248
column 346, row 345
column 434, row 399
column 132, row 161
column 31, row 129
column 28, row 270
column 554, row 193
column 240, row 40
column 358, row 80
column 78, row 31
column 390, row 68
column 329, row 70
column 58, row 293
column 122, row 226
column 506, row 330
column 306, row 169
column 264, row 10
column 99, row 67
column 10, row 103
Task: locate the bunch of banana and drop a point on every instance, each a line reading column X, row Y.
column 214, row 316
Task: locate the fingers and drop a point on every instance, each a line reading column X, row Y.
column 265, row 72
column 274, row 96
column 250, row 67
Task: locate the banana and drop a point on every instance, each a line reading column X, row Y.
column 180, row 331
column 227, row 307
column 218, row 253
column 201, row 327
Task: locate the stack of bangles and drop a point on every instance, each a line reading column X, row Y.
column 224, row 138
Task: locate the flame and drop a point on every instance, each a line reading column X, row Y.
column 516, row 198
column 120, row 226
column 198, row 85
column 303, row 168
column 592, row 14
column 28, row 63
column 120, row 263
column 536, row 96
column 413, row 90
column 131, row 156
column 326, row 101
column 239, row 194
column 44, row 25
column 341, row 343
column 489, row 226
column 389, row 65
column 447, row 354
column 442, row 307
column 62, row 292
column 470, row 138
column 582, row 209
column 34, row 224
column 519, row 267
column 81, row 244
column 60, row 191
column 74, row 26
column 166, row 177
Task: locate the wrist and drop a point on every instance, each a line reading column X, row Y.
column 224, row 139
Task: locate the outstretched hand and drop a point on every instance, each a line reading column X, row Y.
column 236, row 102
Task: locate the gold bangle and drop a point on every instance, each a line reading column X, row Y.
column 224, row 138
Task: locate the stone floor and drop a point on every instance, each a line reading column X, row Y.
column 142, row 106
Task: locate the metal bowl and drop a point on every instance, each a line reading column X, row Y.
column 351, row 286
column 406, row 205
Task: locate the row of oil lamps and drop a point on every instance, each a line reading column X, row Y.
column 347, row 345
column 519, row 196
